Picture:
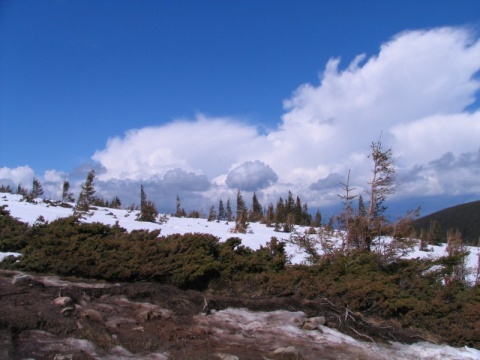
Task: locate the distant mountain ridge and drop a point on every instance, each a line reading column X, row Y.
column 465, row 217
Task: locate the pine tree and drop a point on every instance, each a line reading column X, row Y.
column 212, row 215
column 289, row 223
column 306, row 216
column 221, row 211
column 6, row 189
column 229, row 211
column 279, row 214
column 456, row 248
column 382, row 184
column 143, row 197
column 256, row 212
column 241, row 219
column 289, row 204
column 22, row 191
column 148, row 211
column 87, row 194
column 362, row 211
column 318, row 219
column 434, row 235
column 37, row 189
column 116, row 203
column 240, row 204
column 423, row 240
column 241, row 222
column 270, row 217
column 179, row 211
column 66, row 195
column 298, row 212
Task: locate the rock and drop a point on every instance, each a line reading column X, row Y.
column 289, row 350
column 63, row 301
column 91, row 314
column 63, row 357
column 206, row 307
column 314, row 323
column 68, row 310
column 148, row 315
column 226, row 356
column 309, row 326
column 319, row 320
column 24, row 279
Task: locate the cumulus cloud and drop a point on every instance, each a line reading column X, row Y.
column 204, row 145
column 448, row 175
column 414, row 93
column 181, row 180
column 332, row 181
column 20, row 175
column 251, row 176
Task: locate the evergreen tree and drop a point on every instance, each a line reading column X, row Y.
column 279, row 214
column 298, row 212
column 289, row 204
column 37, row 189
column 423, row 240
column 382, row 184
column 87, row 194
column 241, row 219
column 434, row 235
column 221, row 211
column 229, row 211
column 270, row 217
column 212, row 215
column 289, row 223
column 456, row 248
column 180, row 212
column 256, row 212
column 116, row 203
column 148, row 211
column 306, row 216
column 241, row 222
column 22, row 191
column 240, row 204
column 143, row 197
column 66, row 195
column 318, row 219
column 362, row 211
column 6, row 189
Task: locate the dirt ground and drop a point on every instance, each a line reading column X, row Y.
column 46, row 317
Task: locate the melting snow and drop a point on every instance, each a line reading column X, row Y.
column 275, row 328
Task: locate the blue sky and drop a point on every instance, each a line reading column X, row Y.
column 90, row 83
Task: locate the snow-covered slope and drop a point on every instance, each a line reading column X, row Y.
column 257, row 236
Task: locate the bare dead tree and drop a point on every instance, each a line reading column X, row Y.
column 347, row 215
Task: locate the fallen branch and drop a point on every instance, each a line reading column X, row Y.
column 360, row 334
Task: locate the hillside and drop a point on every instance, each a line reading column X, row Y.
column 118, row 267
column 465, row 217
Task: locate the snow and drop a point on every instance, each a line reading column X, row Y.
column 3, row 255
column 257, row 235
column 282, row 328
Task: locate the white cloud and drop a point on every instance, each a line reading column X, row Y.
column 251, row 176
column 414, row 92
column 54, row 176
column 20, row 175
column 425, row 139
column 207, row 146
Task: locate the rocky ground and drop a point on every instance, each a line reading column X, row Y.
column 46, row 317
